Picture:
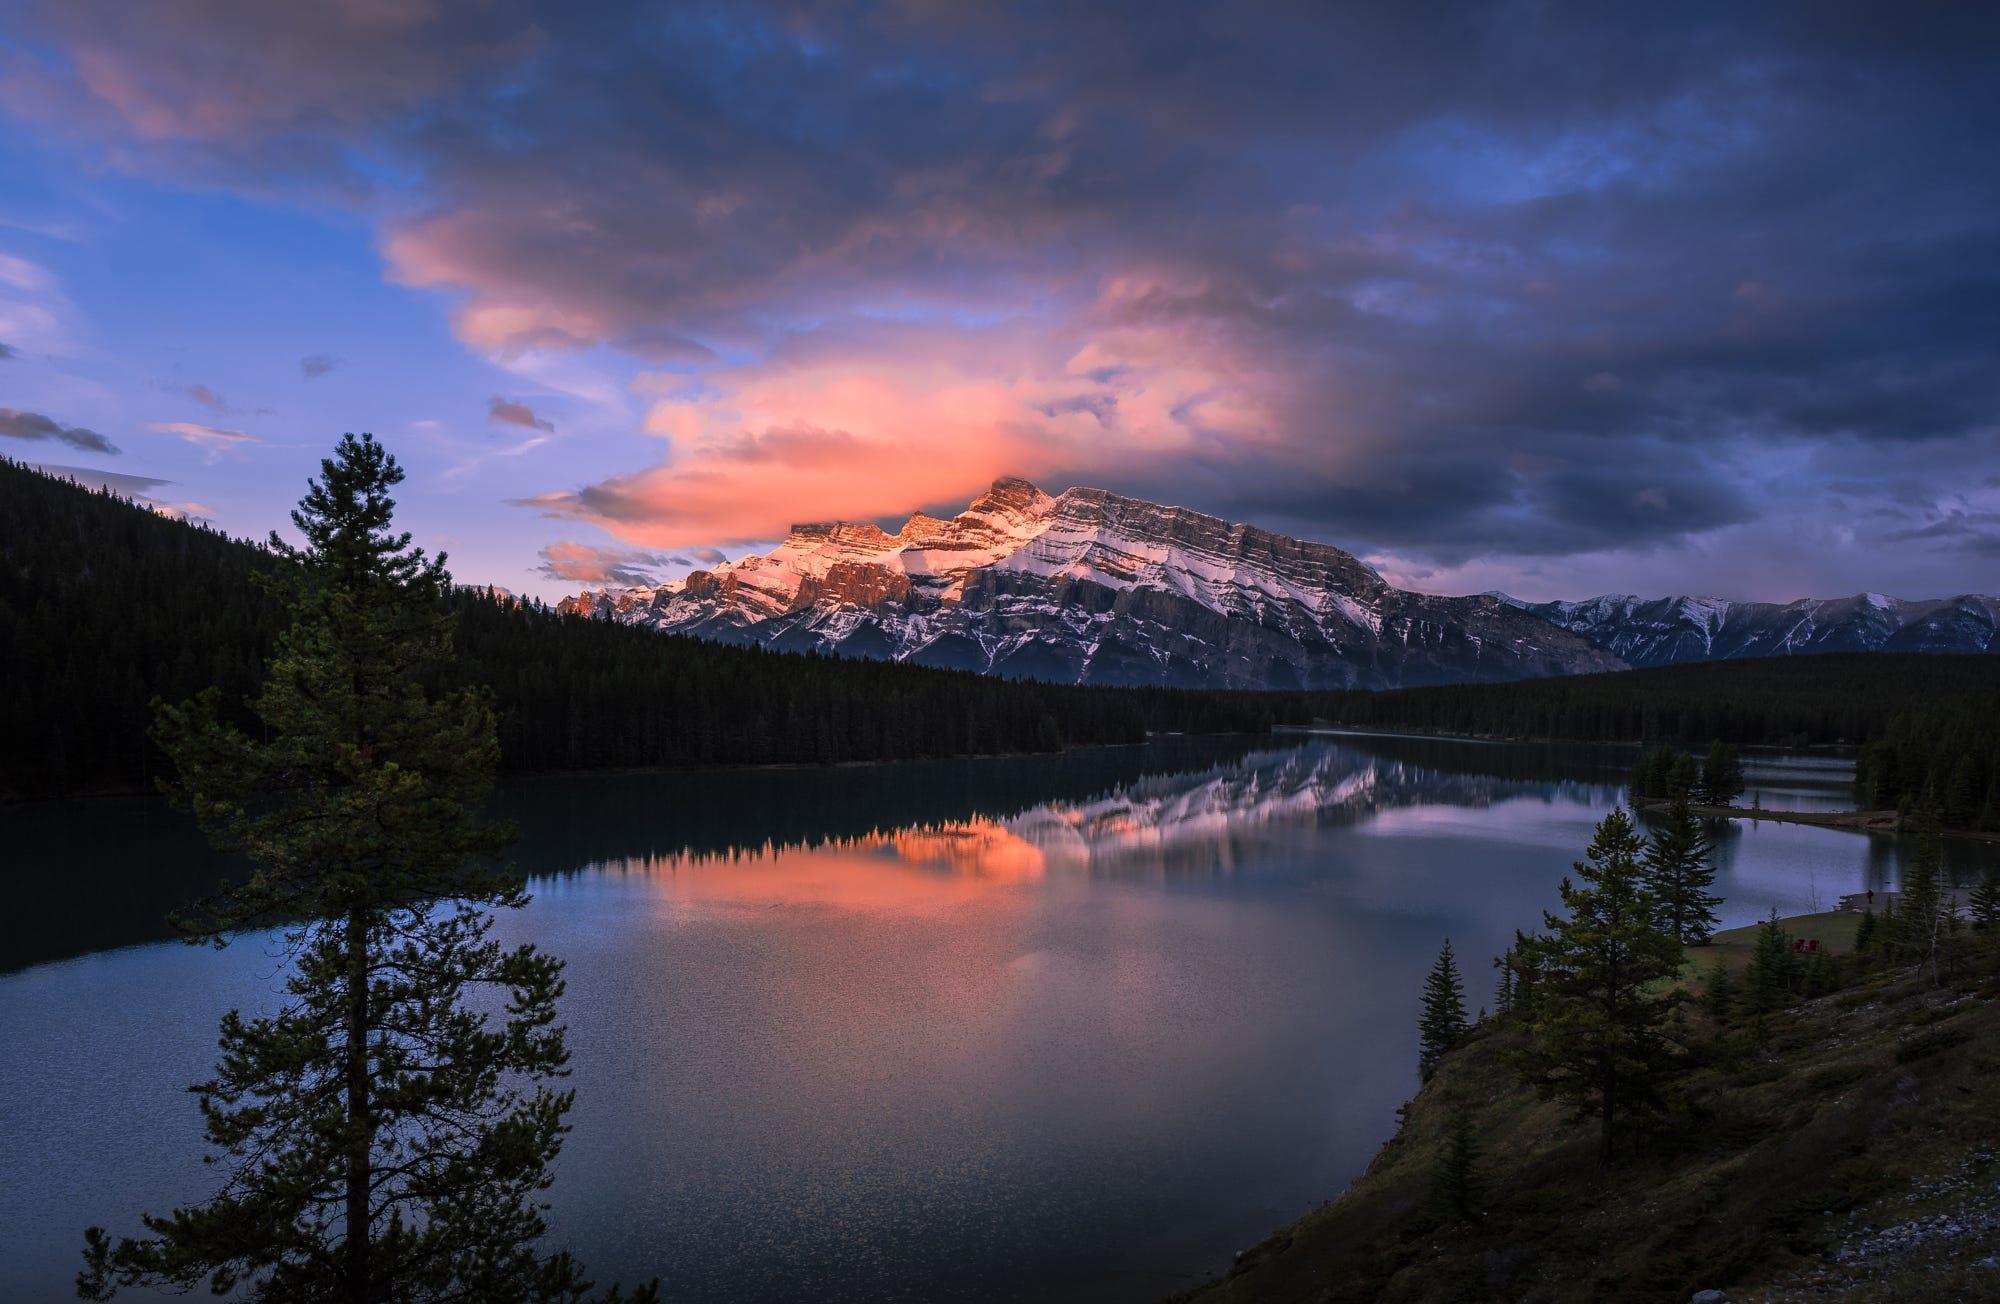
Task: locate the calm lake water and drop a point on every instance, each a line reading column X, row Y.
column 1075, row 1027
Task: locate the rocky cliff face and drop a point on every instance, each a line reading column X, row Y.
column 1093, row 587
column 1664, row 631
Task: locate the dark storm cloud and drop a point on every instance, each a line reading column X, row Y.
column 16, row 424
column 1535, row 279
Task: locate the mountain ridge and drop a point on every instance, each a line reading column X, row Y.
column 1090, row 586
column 1682, row 628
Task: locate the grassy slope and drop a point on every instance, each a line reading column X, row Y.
column 1834, row 929
column 1853, row 1156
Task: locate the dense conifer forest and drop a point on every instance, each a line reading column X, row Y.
column 1942, row 758
column 1774, row 701
column 105, row 606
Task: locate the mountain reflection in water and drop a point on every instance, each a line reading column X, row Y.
column 1062, row 1027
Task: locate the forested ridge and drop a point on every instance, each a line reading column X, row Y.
column 105, row 606
column 1774, row 701
column 1942, row 758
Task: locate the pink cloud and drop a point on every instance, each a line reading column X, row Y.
column 584, row 563
column 878, row 421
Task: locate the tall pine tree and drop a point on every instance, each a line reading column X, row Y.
column 1680, row 868
column 384, row 1141
column 1595, row 1039
column 1442, row 1024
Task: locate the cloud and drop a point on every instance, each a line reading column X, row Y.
column 315, row 365
column 207, row 397
column 132, row 486
column 7, row 352
column 139, row 488
column 17, row 424
column 1532, row 283
column 583, row 563
column 35, row 314
column 216, row 441
column 509, row 412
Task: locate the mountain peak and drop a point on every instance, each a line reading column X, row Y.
column 1011, row 494
column 1097, row 587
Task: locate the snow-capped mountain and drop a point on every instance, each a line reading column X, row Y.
column 1093, row 587
column 1663, row 631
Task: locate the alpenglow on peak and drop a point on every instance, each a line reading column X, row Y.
column 1089, row 586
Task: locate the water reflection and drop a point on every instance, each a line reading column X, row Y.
column 1224, row 819
column 107, row 873
column 1067, row 1027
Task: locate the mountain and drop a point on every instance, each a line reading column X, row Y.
column 1667, row 631
column 1096, row 588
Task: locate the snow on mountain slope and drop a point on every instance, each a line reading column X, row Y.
column 1664, row 631
column 1094, row 587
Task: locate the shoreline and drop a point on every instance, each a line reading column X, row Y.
column 1326, row 727
column 1858, row 821
column 10, row 799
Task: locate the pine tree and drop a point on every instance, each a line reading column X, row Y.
column 1442, row 1024
column 1985, row 902
column 1503, row 987
column 1596, row 1037
column 1721, row 775
column 1649, row 777
column 1526, row 980
column 1683, row 778
column 1864, row 932
column 1773, row 967
column 1718, row 991
column 385, row 1141
column 1456, row 1183
column 1679, row 871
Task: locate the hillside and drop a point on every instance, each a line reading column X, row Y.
column 105, row 606
column 1852, row 1155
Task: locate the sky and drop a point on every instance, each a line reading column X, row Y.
column 1548, row 298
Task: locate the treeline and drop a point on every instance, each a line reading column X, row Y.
column 582, row 694
column 1667, row 774
column 105, row 606
column 1941, row 760
column 1778, row 701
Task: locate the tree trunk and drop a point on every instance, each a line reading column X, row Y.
column 361, row 1124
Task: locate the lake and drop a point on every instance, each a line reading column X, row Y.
column 1073, row 1027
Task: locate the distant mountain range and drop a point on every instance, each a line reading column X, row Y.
column 1093, row 587
column 1666, row 631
